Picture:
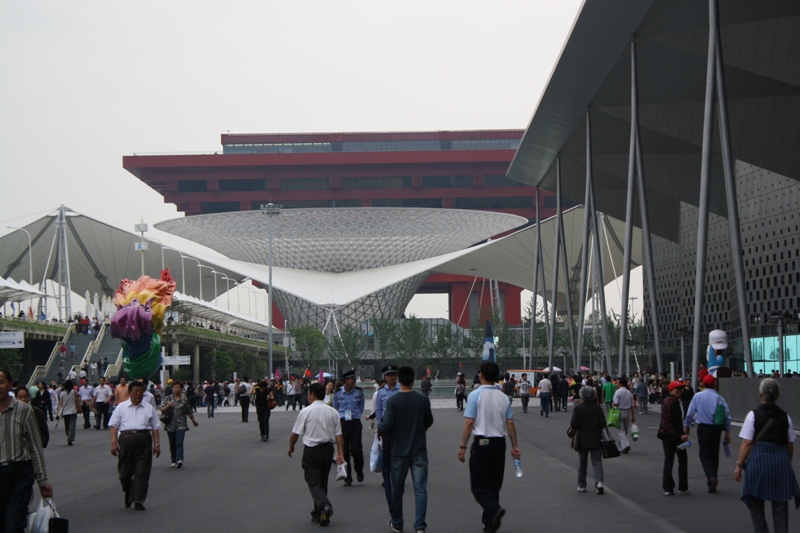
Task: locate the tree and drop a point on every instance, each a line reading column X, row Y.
column 539, row 355
column 311, row 343
column 449, row 342
column 385, row 331
column 414, row 345
column 12, row 360
column 508, row 340
column 347, row 347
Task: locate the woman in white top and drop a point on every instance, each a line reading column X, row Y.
column 68, row 409
column 329, row 389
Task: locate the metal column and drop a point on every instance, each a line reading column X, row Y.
column 703, row 204
column 568, row 292
column 730, row 191
column 648, row 246
column 556, row 256
column 585, row 246
column 626, row 266
column 535, row 285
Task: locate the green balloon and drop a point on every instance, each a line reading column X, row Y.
column 146, row 364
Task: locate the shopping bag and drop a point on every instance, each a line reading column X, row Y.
column 39, row 522
column 614, row 416
column 610, row 449
column 376, row 455
column 341, row 471
column 720, row 419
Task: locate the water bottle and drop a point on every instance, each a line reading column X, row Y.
column 518, row 467
column 684, row 445
column 634, row 432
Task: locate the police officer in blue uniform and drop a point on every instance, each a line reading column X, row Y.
column 349, row 401
column 384, row 393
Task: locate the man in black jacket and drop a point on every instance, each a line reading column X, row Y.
column 672, row 435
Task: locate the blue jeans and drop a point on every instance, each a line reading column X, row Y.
column 176, row 444
column 419, row 475
column 210, row 407
column 545, row 402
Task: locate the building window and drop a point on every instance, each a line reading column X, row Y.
column 408, row 202
column 242, row 185
column 192, row 186
column 519, row 202
column 446, row 182
column 384, row 182
column 304, row 184
column 501, row 181
column 219, row 207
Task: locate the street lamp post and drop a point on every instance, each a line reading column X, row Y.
column 215, row 286
column 270, row 210
column 201, row 267
column 30, row 252
column 228, row 292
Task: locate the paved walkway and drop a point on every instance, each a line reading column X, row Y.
column 234, row 482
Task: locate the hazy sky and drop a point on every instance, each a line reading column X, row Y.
column 84, row 83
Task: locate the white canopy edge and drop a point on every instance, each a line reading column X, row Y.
column 18, row 291
column 205, row 310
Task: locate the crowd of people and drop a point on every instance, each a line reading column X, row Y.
column 329, row 428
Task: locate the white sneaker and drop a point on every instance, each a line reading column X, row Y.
column 600, row 488
column 581, row 489
column 180, row 464
column 174, row 465
column 683, row 492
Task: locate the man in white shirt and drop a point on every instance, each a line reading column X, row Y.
column 319, row 426
column 134, row 429
column 545, row 394
column 100, row 406
column 623, row 400
column 488, row 418
column 86, row 394
column 148, row 396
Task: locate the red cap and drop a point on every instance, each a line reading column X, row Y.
column 709, row 380
column 675, row 385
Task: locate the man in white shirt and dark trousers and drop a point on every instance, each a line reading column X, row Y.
column 86, row 394
column 319, row 426
column 525, row 392
column 102, row 394
column 134, row 431
column 488, row 418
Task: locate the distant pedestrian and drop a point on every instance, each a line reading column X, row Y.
column 623, row 400
column 426, row 386
column 460, row 391
column 178, row 407
column 261, row 394
column 545, row 392
column 319, row 427
column 68, row 409
column 72, row 351
column 488, row 418
column 384, row 393
column 244, row 398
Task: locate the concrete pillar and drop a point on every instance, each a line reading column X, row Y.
column 176, row 350
column 196, row 364
column 511, row 308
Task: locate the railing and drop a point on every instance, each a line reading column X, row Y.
column 93, row 346
column 41, row 370
column 115, row 368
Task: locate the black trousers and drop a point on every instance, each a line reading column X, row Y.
column 87, row 412
column 708, row 438
column 525, row 399
column 460, row 401
column 262, row 412
column 316, row 468
column 16, row 489
column 351, row 433
column 290, row 402
column 134, row 461
column 101, row 415
column 486, row 467
column 670, row 444
column 244, row 402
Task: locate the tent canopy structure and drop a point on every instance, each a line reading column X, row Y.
column 207, row 311
column 12, row 291
column 760, row 45
column 105, row 253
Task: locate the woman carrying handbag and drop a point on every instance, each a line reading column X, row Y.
column 173, row 416
column 589, row 421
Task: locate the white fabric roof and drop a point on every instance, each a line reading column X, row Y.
column 13, row 291
column 208, row 311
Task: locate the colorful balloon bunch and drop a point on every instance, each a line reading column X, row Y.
column 141, row 305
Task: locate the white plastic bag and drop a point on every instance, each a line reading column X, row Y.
column 376, row 455
column 39, row 522
column 341, row 471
